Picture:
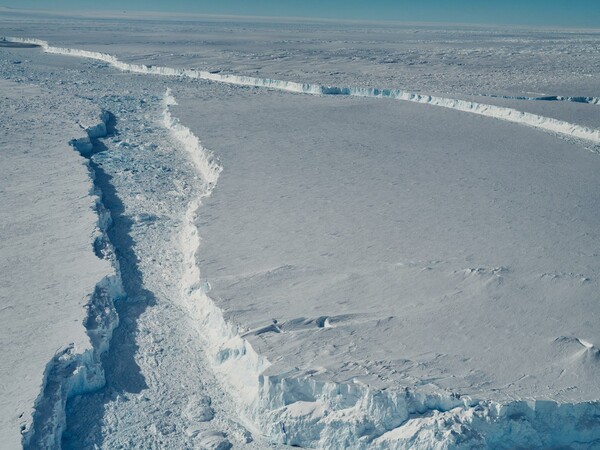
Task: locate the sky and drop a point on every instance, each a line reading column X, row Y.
column 561, row 13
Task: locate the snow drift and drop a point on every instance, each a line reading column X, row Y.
column 503, row 113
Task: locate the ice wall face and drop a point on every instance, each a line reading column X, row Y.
column 497, row 112
column 308, row 413
column 234, row 358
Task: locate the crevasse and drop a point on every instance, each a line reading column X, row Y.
column 498, row 112
column 308, row 411
column 71, row 371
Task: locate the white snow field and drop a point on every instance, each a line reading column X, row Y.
column 329, row 235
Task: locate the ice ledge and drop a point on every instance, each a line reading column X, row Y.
column 308, row 410
column 498, row 112
column 547, row 98
column 309, row 413
column 73, row 371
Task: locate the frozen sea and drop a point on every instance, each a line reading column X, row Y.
column 226, row 232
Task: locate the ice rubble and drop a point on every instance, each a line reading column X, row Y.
column 71, row 372
column 497, row 112
column 304, row 410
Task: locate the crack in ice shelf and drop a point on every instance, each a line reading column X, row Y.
column 70, row 373
column 498, row 112
column 547, row 98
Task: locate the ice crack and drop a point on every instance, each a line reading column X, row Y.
column 70, row 373
column 547, row 124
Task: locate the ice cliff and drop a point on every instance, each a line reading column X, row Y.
column 498, row 112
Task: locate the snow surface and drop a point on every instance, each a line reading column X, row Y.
column 335, row 270
column 50, row 277
column 341, row 255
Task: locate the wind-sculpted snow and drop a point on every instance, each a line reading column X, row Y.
column 307, row 410
column 503, row 113
column 70, row 372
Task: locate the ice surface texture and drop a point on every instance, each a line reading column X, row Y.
column 376, row 344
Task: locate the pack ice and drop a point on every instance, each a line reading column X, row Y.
column 273, row 250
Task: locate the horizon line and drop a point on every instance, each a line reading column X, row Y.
column 111, row 13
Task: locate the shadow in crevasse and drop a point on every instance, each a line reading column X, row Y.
column 85, row 413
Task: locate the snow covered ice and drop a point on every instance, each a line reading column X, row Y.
column 49, row 221
column 229, row 233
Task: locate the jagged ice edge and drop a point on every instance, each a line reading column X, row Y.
column 498, row 112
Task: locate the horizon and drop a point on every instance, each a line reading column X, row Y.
column 579, row 14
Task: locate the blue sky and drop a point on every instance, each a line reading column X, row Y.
column 564, row 13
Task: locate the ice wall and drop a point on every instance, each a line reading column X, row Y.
column 234, row 358
column 547, row 98
column 497, row 112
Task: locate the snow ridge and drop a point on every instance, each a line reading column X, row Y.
column 232, row 356
column 498, row 112
column 72, row 372
column 303, row 409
